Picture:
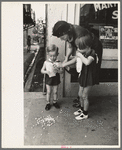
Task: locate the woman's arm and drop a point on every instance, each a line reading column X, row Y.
column 69, row 52
column 72, row 61
column 87, row 61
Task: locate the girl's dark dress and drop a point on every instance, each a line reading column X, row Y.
column 97, row 46
column 88, row 73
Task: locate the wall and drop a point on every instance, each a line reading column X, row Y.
column 55, row 13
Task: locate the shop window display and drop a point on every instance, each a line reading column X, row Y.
column 102, row 20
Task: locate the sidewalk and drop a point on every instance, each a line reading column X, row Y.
column 59, row 127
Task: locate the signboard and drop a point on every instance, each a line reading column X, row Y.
column 105, row 14
column 109, row 37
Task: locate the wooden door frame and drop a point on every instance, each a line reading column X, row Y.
column 74, row 18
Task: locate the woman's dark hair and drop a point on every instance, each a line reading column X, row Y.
column 61, row 28
column 83, row 42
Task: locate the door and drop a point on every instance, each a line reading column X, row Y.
column 70, row 86
column 69, row 12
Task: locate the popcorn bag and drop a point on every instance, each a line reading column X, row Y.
column 50, row 68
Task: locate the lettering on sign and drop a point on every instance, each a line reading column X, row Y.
column 106, row 6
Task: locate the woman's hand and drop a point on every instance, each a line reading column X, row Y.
column 58, row 69
column 61, row 65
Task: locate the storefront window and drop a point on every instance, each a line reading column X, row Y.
column 94, row 15
column 102, row 20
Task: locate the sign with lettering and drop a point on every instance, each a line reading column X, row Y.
column 103, row 6
column 108, row 36
column 105, row 14
column 99, row 7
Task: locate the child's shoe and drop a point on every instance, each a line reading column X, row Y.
column 48, row 106
column 81, row 116
column 56, row 105
column 76, row 105
column 78, row 112
column 76, row 100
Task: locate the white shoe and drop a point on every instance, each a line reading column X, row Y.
column 81, row 116
column 78, row 112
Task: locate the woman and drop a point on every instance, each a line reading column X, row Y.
column 69, row 33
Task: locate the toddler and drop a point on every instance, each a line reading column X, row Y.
column 51, row 68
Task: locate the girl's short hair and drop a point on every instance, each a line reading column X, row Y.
column 85, row 41
column 52, row 48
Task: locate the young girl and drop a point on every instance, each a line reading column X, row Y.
column 52, row 71
column 87, row 73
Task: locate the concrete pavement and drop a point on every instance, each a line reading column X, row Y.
column 58, row 127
